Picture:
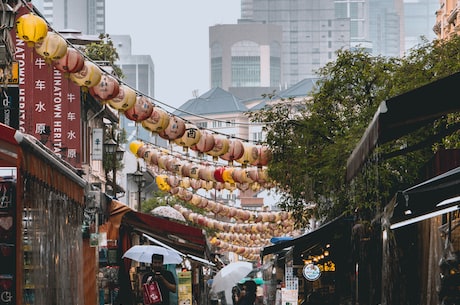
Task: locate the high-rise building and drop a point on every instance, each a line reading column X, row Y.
column 87, row 16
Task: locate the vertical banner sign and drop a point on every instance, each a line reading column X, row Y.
column 185, row 288
column 49, row 105
column 98, row 138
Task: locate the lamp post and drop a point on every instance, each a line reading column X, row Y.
column 139, row 179
column 115, row 153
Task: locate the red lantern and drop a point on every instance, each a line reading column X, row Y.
column 175, row 129
column 141, row 110
column 218, row 172
column 71, row 62
column 157, row 121
column 106, row 89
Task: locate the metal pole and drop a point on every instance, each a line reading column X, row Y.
column 139, row 185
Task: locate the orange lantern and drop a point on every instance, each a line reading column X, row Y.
column 175, row 129
column 221, row 145
column 52, row 47
column 106, row 89
column 73, row 61
column 141, row 110
column 190, row 137
column 31, row 28
column 157, row 121
column 89, row 76
column 235, row 151
column 206, row 142
column 125, row 99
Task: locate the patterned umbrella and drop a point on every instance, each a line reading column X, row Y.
column 168, row 212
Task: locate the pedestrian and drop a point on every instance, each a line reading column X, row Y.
column 247, row 294
column 164, row 278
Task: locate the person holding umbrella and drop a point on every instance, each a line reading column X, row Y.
column 163, row 277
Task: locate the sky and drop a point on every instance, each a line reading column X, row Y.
column 175, row 33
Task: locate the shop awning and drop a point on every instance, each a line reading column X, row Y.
column 182, row 237
column 403, row 114
column 316, row 239
column 433, row 197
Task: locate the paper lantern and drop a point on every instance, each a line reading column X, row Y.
column 218, row 174
column 141, row 110
column 175, row 129
column 161, row 181
column 52, row 47
column 89, row 76
column 227, row 175
column 157, row 121
column 263, row 156
column 31, row 28
column 190, row 137
column 72, row 62
column 106, row 89
column 134, row 146
column 125, row 99
column 234, row 152
column 251, row 153
column 221, row 145
column 206, row 142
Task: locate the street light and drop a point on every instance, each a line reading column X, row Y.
column 115, row 152
column 139, row 179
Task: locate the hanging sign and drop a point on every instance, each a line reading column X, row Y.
column 311, row 272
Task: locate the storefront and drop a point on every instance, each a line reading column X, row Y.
column 40, row 223
column 317, row 263
column 126, row 227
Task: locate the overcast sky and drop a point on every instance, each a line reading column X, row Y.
column 175, row 33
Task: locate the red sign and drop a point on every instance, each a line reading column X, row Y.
column 49, row 105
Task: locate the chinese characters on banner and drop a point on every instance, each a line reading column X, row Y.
column 49, row 105
column 185, row 288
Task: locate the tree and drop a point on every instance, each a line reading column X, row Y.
column 104, row 51
column 312, row 141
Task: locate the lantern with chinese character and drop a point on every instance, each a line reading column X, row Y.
column 106, row 89
column 157, row 121
column 125, row 99
column 263, row 157
column 141, row 110
column 89, row 76
column 175, row 129
column 251, row 153
column 31, row 28
column 52, row 47
column 190, row 137
column 71, row 62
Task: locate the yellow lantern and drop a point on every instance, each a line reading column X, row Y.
column 251, row 154
column 158, row 120
column 89, row 76
column 161, row 181
column 227, row 175
column 190, row 137
column 52, row 47
column 125, row 99
column 221, row 145
column 134, row 146
column 31, row 28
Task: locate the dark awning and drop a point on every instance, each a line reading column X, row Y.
column 435, row 196
column 315, row 239
column 184, row 238
column 403, row 114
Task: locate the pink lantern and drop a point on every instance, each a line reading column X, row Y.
column 221, row 145
column 141, row 110
column 106, row 89
column 264, row 156
column 206, row 142
column 175, row 129
column 71, row 62
column 235, row 151
column 157, row 121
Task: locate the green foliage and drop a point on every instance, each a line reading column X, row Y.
column 104, row 51
column 311, row 141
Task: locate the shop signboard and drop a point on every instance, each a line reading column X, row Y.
column 311, row 272
column 185, row 288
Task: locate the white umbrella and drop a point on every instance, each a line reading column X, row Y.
column 143, row 254
column 230, row 275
